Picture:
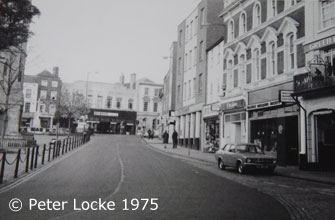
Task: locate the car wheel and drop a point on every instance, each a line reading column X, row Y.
column 221, row 165
column 240, row 168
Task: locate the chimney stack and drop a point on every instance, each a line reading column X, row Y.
column 133, row 81
column 122, row 79
column 55, row 71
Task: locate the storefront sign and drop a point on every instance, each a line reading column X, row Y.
column 233, row 105
column 285, row 96
column 215, row 107
column 320, row 44
column 207, row 111
column 109, row 114
column 308, row 82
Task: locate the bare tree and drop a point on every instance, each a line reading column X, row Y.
column 72, row 105
column 11, row 72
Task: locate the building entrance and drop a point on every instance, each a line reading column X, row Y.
column 277, row 137
column 325, row 136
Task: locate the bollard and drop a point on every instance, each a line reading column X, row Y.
column 63, row 146
column 2, row 170
column 53, row 150
column 27, row 160
column 67, row 141
column 17, row 163
column 49, row 153
column 44, row 146
column 36, row 155
column 32, row 158
column 70, row 143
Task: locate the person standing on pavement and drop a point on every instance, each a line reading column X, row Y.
column 166, row 137
column 175, row 138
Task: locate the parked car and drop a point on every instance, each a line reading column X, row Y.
column 244, row 157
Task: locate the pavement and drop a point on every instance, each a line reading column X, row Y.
column 327, row 177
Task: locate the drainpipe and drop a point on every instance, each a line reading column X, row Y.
column 303, row 165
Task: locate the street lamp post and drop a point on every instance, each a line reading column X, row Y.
column 87, row 75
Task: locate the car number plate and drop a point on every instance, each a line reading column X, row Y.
column 262, row 166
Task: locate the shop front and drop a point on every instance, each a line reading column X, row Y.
column 112, row 122
column 234, row 121
column 315, row 91
column 273, row 122
column 212, row 125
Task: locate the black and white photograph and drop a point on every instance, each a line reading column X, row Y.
column 167, row 109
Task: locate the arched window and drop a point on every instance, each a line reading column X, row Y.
column 243, row 23
column 291, row 51
column 272, row 8
column 257, row 15
column 257, row 64
column 272, row 58
column 230, row 31
column 242, row 69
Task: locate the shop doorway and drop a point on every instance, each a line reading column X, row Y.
column 104, row 127
column 115, row 128
column 325, row 140
column 278, row 137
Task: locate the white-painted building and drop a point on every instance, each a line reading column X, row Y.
column 149, row 106
column 214, row 92
column 315, row 87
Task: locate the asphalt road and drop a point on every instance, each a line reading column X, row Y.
column 119, row 168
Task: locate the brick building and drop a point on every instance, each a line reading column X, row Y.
column 195, row 33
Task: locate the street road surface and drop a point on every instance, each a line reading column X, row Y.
column 125, row 172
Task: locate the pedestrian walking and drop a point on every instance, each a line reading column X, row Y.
column 165, row 137
column 175, row 138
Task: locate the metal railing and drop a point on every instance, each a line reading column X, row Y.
column 32, row 156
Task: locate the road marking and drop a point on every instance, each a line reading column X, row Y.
column 116, row 190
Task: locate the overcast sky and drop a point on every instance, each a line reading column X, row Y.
column 105, row 36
